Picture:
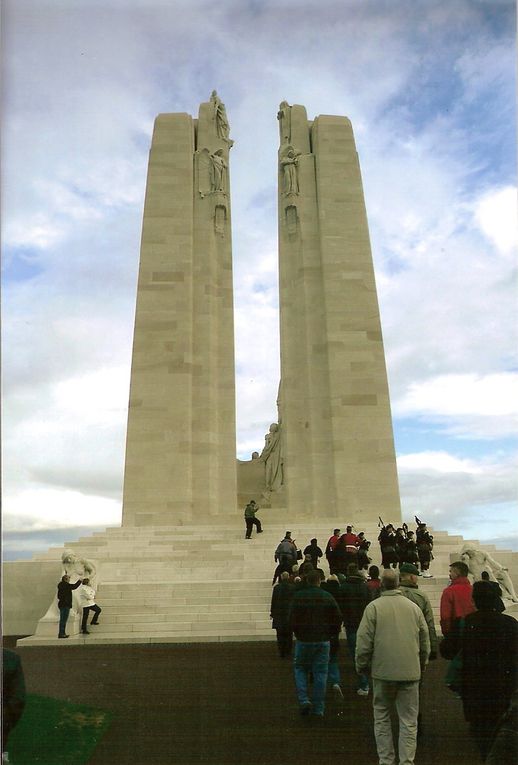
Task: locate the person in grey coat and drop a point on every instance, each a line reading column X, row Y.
column 393, row 646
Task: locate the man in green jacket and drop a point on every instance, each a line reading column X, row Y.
column 408, row 578
column 314, row 618
column 251, row 520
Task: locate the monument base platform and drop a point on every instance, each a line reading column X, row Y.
column 192, row 584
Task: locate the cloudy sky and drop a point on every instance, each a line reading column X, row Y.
column 430, row 88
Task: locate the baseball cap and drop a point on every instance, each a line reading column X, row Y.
column 409, row 568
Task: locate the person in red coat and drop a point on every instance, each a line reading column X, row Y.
column 456, row 600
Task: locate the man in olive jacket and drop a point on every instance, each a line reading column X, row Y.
column 408, row 574
column 393, row 645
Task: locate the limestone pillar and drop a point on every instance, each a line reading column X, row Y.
column 339, row 457
column 180, row 451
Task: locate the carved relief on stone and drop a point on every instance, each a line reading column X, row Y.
column 273, row 458
column 284, row 117
column 291, row 219
column 219, row 114
column 288, row 161
column 212, row 172
column 478, row 561
column 220, row 219
column 218, row 172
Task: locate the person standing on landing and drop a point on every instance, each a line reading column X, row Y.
column 250, row 519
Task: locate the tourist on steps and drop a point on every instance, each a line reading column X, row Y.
column 250, row 519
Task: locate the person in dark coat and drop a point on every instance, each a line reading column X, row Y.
column 387, row 540
column 496, row 589
column 353, row 597
column 282, row 595
column 424, row 541
column 489, row 666
column 410, row 552
column 306, row 566
column 374, row 582
column 314, row 551
column 315, row 619
column 504, row 749
column 13, row 694
column 332, row 586
column 329, row 551
column 363, row 551
column 65, row 602
column 340, row 556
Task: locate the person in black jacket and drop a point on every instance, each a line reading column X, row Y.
column 314, row 551
column 489, row 665
column 13, row 695
column 353, row 597
column 65, row 602
column 315, row 618
column 387, row 540
column 282, row 595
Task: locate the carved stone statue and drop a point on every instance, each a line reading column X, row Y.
column 76, row 568
column 284, row 117
column 220, row 117
column 478, row 561
column 218, row 172
column 289, row 162
column 272, row 457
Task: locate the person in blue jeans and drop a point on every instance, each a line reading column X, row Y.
column 65, row 602
column 353, row 597
column 315, row 618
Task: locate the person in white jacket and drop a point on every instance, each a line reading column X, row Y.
column 393, row 645
column 88, row 600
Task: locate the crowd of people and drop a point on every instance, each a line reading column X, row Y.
column 397, row 547
column 390, row 634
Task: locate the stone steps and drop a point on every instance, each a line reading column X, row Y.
column 204, row 583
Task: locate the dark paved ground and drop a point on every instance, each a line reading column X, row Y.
column 228, row 704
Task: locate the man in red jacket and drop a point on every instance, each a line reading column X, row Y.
column 456, row 599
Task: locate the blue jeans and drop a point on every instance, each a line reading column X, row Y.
column 363, row 680
column 314, row 658
column 63, row 616
column 333, row 671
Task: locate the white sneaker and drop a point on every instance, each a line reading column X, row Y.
column 337, row 691
column 428, row 575
column 362, row 692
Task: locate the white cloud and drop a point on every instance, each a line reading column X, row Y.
column 440, row 462
column 472, row 497
column 38, row 508
column 497, row 215
column 480, row 406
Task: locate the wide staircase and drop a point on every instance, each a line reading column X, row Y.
column 208, row 583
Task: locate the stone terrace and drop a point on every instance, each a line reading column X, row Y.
column 206, row 583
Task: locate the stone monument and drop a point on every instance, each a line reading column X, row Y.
column 338, row 447
column 333, row 452
column 181, row 449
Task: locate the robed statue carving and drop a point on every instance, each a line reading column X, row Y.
column 289, row 161
column 220, row 118
column 272, row 458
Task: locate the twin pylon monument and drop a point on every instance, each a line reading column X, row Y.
column 331, row 453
